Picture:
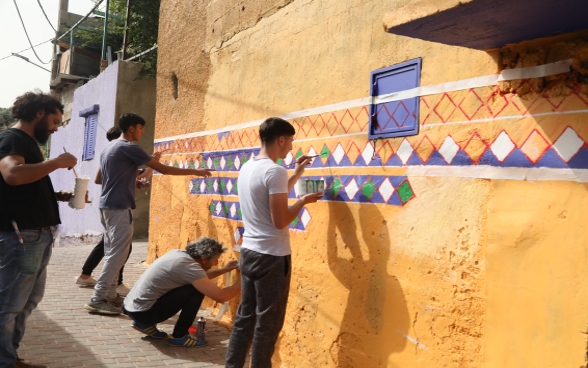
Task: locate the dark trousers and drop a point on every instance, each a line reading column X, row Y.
column 96, row 256
column 185, row 298
column 265, row 283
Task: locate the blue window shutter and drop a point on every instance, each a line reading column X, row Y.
column 396, row 118
column 90, row 137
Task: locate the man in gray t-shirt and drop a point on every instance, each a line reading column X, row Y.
column 178, row 280
column 118, row 172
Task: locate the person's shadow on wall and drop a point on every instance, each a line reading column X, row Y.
column 376, row 316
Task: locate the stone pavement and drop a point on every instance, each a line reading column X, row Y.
column 60, row 333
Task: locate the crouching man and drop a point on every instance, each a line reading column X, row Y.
column 179, row 280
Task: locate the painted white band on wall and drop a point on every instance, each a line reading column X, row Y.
column 500, row 173
column 489, row 80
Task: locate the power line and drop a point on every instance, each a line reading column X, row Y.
column 26, row 33
column 45, row 14
column 12, row 54
column 28, row 61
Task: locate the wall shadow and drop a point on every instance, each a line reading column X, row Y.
column 376, row 315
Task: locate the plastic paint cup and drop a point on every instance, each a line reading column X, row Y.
column 78, row 201
column 308, row 186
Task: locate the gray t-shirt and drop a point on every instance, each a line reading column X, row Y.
column 258, row 179
column 119, row 162
column 174, row 269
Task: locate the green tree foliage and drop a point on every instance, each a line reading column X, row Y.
column 6, row 120
column 143, row 30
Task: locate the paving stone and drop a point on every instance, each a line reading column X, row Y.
column 61, row 333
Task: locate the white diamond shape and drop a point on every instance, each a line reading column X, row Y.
column 568, row 144
column 209, row 163
column 338, row 154
column 219, row 208
column 237, row 162
column 305, row 218
column 311, row 152
column 386, row 189
column 351, row 189
column 404, row 151
column 186, row 144
column 215, row 185
column 368, row 153
column 181, row 164
column 223, row 162
column 233, row 210
column 202, row 186
column 229, row 186
column 289, row 158
column 296, row 189
column 502, row 146
column 196, row 164
column 237, row 236
column 448, row 149
column 191, row 185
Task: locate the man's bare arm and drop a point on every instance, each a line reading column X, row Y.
column 15, row 171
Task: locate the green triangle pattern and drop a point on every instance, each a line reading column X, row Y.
column 191, row 166
column 216, row 162
column 335, row 187
column 368, row 188
column 296, row 220
column 405, row 192
column 244, row 159
column 299, row 153
column 211, row 207
column 222, row 185
column 176, row 164
column 325, row 153
column 240, row 214
column 209, row 186
column 230, row 163
column 279, row 162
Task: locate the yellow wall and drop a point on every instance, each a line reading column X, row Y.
column 471, row 271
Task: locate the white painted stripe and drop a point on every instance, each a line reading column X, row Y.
column 489, row 80
column 501, row 173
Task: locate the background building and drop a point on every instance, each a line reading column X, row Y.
column 456, row 238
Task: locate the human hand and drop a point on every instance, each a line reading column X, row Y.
column 301, row 164
column 312, row 197
column 156, row 156
column 142, row 183
column 231, row 265
column 202, row 172
column 66, row 160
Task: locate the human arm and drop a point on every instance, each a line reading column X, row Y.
column 231, row 265
column 211, row 290
column 170, row 170
column 282, row 215
column 301, row 164
column 66, row 195
column 15, row 171
column 98, row 178
column 148, row 173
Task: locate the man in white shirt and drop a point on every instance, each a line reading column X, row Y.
column 265, row 261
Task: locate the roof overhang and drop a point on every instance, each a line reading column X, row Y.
column 486, row 24
column 63, row 80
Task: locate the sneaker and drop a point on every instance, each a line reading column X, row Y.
column 117, row 302
column 21, row 363
column 89, row 282
column 186, row 341
column 149, row 330
column 102, row 307
column 122, row 290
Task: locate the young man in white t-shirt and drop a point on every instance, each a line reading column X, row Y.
column 265, row 253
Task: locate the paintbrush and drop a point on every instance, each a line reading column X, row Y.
column 73, row 168
column 322, row 155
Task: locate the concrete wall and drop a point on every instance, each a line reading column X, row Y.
column 426, row 256
column 116, row 92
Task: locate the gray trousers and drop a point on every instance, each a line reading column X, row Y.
column 265, row 284
column 118, row 225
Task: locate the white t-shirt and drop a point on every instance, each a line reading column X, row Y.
column 258, row 179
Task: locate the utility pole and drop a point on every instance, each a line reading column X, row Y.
column 103, row 59
column 126, row 34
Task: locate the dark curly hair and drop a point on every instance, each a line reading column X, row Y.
column 205, row 248
column 113, row 133
column 28, row 105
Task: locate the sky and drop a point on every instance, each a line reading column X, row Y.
column 16, row 75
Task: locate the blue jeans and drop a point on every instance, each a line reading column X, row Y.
column 23, row 272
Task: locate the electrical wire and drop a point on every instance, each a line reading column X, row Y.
column 26, row 33
column 11, row 55
column 45, row 14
